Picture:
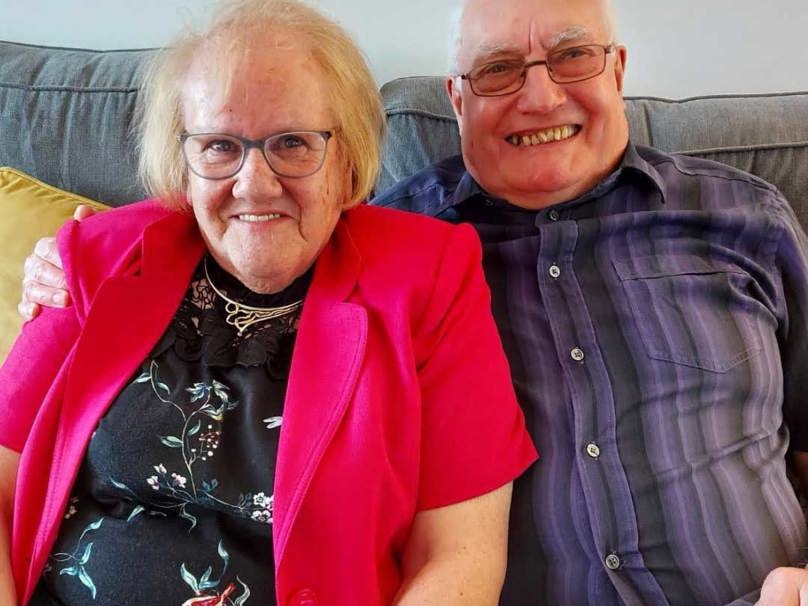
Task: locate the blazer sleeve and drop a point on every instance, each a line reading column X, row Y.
column 37, row 360
column 473, row 432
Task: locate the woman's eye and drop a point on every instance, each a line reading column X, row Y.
column 291, row 141
column 223, row 146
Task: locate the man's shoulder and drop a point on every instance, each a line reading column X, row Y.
column 681, row 172
column 428, row 191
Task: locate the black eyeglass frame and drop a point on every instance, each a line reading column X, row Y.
column 260, row 144
column 607, row 49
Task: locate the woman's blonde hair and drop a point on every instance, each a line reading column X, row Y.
column 352, row 94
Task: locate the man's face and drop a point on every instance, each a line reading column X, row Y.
column 493, row 129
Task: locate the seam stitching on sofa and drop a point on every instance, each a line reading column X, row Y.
column 66, row 89
column 736, row 149
column 419, row 112
column 724, row 97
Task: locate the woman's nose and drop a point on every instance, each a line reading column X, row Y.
column 256, row 177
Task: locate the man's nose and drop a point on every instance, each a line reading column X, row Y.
column 256, row 177
column 540, row 93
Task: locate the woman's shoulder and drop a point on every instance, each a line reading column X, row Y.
column 406, row 254
column 116, row 230
column 109, row 242
column 387, row 231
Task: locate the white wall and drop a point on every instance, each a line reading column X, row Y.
column 676, row 49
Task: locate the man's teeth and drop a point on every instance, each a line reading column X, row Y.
column 548, row 135
column 259, row 218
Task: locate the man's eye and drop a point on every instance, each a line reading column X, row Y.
column 497, row 69
column 576, row 52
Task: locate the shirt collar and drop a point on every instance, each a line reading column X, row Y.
column 632, row 165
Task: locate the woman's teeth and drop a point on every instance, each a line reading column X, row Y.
column 259, row 218
column 548, row 135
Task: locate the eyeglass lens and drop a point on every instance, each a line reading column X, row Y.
column 218, row 156
column 565, row 65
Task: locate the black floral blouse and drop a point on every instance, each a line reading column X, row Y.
column 173, row 503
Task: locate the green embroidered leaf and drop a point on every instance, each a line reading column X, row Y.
column 187, row 516
column 223, row 553
column 143, row 378
column 195, row 428
column 95, row 525
column 71, row 571
column 135, row 512
column 85, row 557
column 117, row 484
column 239, row 601
column 206, row 575
column 171, row 441
column 189, row 578
column 87, row 581
column 164, row 387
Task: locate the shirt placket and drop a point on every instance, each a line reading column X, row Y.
column 604, row 484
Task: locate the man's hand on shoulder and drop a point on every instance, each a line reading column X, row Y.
column 785, row 587
column 44, row 279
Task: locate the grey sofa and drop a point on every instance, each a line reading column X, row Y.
column 65, row 117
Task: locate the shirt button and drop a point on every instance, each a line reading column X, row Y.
column 553, row 215
column 593, row 450
column 612, row 561
column 489, row 203
column 577, row 354
column 554, row 271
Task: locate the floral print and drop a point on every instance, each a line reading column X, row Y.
column 159, row 493
column 74, row 564
column 206, row 588
column 206, row 400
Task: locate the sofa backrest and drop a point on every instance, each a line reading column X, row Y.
column 66, row 117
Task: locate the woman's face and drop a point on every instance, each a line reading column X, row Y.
column 264, row 229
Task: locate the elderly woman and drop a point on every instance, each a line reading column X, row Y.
column 263, row 392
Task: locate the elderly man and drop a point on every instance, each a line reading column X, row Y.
column 654, row 309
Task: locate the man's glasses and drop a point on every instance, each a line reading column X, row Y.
column 218, row 156
column 566, row 65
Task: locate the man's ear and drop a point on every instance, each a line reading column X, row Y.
column 620, row 67
column 452, row 85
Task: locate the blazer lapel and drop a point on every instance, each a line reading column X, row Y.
column 128, row 315
column 327, row 359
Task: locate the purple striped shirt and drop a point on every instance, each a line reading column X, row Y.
column 656, row 329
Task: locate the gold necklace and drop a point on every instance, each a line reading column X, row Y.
column 243, row 316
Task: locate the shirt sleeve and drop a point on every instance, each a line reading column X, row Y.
column 792, row 263
column 473, row 432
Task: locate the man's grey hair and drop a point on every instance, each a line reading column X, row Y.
column 456, row 30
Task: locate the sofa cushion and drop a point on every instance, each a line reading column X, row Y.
column 65, row 117
column 30, row 209
column 763, row 134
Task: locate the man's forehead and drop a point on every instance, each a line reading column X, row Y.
column 523, row 26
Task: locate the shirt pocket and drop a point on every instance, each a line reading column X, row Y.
column 693, row 311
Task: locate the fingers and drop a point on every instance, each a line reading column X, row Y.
column 47, row 250
column 785, row 587
column 82, row 212
column 28, row 310
column 44, row 282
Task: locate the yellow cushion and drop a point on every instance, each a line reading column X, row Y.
column 30, row 210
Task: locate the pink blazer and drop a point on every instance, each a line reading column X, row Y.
column 399, row 396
